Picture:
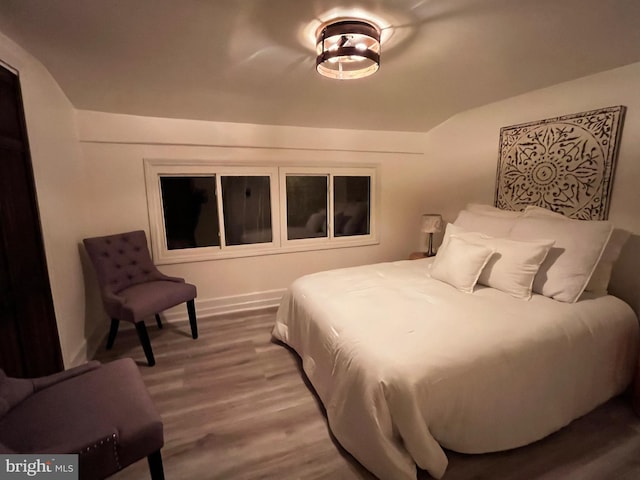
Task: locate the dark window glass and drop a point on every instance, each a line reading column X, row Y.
column 190, row 212
column 246, row 206
column 351, row 205
column 306, row 206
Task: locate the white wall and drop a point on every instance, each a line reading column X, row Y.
column 59, row 179
column 464, row 149
column 114, row 147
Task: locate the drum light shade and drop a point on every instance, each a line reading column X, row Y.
column 348, row 49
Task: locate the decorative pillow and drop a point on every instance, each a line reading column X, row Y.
column 316, row 221
column 599, row 281
column 491, row 210
column 579, row 244
column 492, row 225
column 459, row 263
column 339, row 219
column 514, row 264
column 534, row 211
column 355, row 215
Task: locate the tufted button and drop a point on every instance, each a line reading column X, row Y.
column 137, row 249
column 129, row 276
column 118, row 266
column 107, row 241
column 105, row 254
column 133, row 262
column 120, row 251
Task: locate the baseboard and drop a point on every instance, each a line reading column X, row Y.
column 211, row 307
column 204, row 308
column 231, row 304
column 79, row 358
column 88, row 348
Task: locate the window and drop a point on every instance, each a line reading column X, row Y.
column 202, row 210
column 190, row 212
column 352, row 205
column 310, row 193
column 306, row 200
column 246, row 206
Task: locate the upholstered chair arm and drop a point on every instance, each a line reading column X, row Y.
column 14, row 390
column 44, row 382
column 111, row 301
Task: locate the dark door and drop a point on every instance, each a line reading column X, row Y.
column 29, row 343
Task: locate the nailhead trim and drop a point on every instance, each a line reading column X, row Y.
column 113, row 437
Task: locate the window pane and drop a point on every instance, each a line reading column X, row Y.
column 190, row 212
column 306, row 206
column 246, row 206
column 351, row 202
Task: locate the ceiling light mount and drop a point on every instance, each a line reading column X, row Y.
column 348, row 49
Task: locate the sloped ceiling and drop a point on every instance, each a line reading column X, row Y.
column 248, row 60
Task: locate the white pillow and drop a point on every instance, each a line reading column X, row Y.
column 599, row 281
column 316, row 221
column 579, row 244
column 459, row 263
column 491, row 210
column 514, row 264
column 492, row 225
column 534, row 211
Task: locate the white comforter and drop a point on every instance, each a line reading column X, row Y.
column 405, row 364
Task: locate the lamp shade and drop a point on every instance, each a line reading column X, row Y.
column 431, row 223
column 348, row 49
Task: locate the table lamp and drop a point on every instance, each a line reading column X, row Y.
column 431, row 223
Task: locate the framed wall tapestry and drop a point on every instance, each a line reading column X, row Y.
column 565, row 164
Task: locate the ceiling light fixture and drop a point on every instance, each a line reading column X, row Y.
column 348, row 49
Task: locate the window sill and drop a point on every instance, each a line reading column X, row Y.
column 241, row 251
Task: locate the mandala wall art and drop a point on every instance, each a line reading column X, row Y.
column 564, row 164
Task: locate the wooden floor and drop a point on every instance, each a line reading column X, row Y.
column 235, row 405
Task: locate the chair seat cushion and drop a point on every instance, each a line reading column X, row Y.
column 144, row 299
column 106, row 415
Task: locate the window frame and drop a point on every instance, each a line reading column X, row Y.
column 330, row 241
column 154, row 169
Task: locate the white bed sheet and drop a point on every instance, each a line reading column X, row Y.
column 406, row 365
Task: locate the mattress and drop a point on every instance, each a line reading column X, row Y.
column 406, row 365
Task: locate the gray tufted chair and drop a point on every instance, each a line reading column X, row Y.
column 132, row 288
column 101, row 412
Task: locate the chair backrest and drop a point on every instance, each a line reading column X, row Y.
column 121, row 260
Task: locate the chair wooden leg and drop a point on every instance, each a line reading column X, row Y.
column 112, row 332
column 191, row 309
column 155, row 466
column 146, row 343
column 158, row 320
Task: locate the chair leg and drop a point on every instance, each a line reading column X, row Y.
column 191, row 309
column 112, row 332
column 146, row 343
column 155, row 466
column 158, row 320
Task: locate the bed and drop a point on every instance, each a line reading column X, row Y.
column 407, row 364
